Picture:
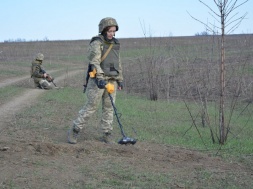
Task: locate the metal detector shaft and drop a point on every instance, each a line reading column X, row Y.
column 115, row 112
column 125, row 140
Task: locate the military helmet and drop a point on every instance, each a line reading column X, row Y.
column 40, row 56
column 105, row 22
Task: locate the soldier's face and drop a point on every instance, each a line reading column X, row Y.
column 111, row 32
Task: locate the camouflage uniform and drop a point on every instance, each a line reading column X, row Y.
column 109, row 70
column 37, row 73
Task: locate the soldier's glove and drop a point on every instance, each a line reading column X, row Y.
column 100, row 83
column 120, row 85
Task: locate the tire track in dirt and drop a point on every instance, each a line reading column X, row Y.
column 16, row 104
column 12, row 81
column 26, row 99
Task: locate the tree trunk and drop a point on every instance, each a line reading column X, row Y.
column 222, row 77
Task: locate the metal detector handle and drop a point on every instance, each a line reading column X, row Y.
column 110, row 88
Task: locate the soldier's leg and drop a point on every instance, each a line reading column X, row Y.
column 107, row 111
column 37, row 83
column 94, row 95
column 45, row 84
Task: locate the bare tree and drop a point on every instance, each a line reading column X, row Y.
column 228, row 21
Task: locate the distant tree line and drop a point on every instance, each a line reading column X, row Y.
column 14, row 40
column 23, row 40
column 204, row 33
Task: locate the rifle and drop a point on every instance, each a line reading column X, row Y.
column 87, row 77
column 50, row 79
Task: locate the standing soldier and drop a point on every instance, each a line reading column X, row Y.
column 104, row 67
column 40, row 77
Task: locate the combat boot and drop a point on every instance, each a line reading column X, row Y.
column 72, row 135
column 107, row 138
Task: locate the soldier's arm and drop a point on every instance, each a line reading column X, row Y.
column 94, row 57
column 38, row 71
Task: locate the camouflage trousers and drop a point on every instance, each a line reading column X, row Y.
column 94, row 97
column 42, row 83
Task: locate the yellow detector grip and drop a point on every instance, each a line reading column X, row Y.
column 110, row 88
column 93, row 73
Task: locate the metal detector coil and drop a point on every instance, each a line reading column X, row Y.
column 125, row 140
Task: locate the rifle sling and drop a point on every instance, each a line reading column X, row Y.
column 106, row 53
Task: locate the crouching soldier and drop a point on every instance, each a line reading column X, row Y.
column 41, row 79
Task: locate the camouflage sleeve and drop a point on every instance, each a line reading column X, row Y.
column 95, row 51
column 42, row 70
column 37, row 71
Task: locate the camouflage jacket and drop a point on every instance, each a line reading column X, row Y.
column 37, row 70
column 96, row 51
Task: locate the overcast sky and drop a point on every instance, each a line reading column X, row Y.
column 79, row 19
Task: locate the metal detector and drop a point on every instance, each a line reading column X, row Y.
column 125, row 140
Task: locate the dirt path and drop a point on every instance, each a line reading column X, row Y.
column 25, row 99
column 7, row 82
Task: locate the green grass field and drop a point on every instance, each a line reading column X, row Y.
column 164, row 122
